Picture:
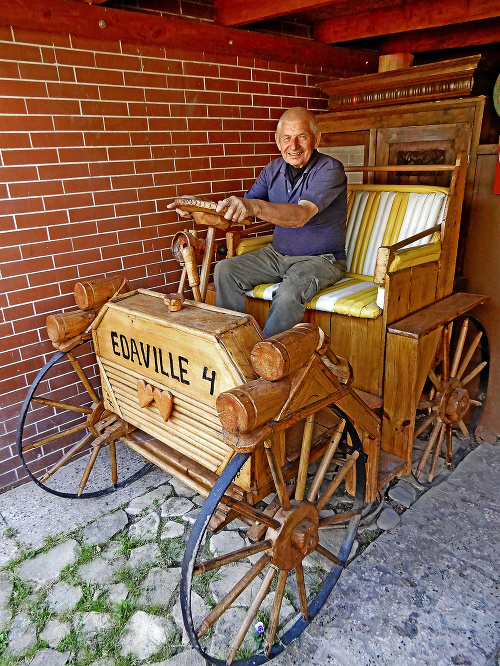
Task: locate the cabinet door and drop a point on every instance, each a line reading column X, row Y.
column 429, row 144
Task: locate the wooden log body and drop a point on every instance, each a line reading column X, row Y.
column 286, row 352
column 67, row 325
column 246, row 407
column 91, row 294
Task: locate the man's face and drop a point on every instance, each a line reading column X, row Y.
column 296, row 142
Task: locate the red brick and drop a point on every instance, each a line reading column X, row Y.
column 24, row 123
column 265, row 75
column 9, row 70
column 228, row 85
column 59, row 171
column 44, row 219
column 9, row 254
column 110, row 196
column 122, row 250
column 161, row 152
column 131, row 180
column 16, row 312
column 100, row 76
column 78, row 123
column 60, row 107
column 162, row 66
column 35, row 71
column 35, row 293
column 224, row 111
column 9, row 358
column 22, row 236
column 233, row 72
column 293, row 78
column 137, row 234
column 72, row 57
column 259, row 112
column 167, row 124
column 105, row 109
column 30, row 156
column 121, row 94
column 18, row 206
column 203, row 149
column 12, row 105
column 30, row 36
column 226, row 161
column 11, row 140
column 145, row 80
column 202, row 97
column 154, row 166
column 107, row 138
column 27, row 266
column 200, row 69
column 6, row 33
column 131, row 153
column 195, row 124
column 72, row 90
column 86, row 185
column 13, row 88
column 97, row 44
column 150, row 138
column 65, row 230
column 20, row 52
column 86, row 154
column 104, row 266
column 68, row 201
column 112, row 61
column 149, row 110
column 35, row 188
column 185, row 82
column 89, row 213
column 153, row 218
column 164, row 96
column 56, row 139
column 47, row 277
column 255, row 87
column 74, row 258
column 91, row 242
column 126, row 124
column 117, row 224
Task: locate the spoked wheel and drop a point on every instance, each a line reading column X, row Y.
column 280, row 567
column 454, row 393
column 68, row 443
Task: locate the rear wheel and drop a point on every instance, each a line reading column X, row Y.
column 68, row 442
column 245, row 604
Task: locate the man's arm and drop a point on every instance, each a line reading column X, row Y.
column 282, row 215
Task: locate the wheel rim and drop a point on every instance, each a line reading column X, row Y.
column 63, row 421
column 454, row 395
column 297, row 528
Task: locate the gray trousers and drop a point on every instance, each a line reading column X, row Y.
column 301, row 278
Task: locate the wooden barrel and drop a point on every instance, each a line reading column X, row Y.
column 286, row 352
column 244, row 408
column 91, row 294
column 67, row 325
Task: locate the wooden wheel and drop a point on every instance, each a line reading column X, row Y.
column 292, row 554
column 455, row 391
column 67, row 441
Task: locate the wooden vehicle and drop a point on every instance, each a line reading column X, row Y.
column 279, row 434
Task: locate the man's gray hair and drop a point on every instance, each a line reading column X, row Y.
column 298, row 112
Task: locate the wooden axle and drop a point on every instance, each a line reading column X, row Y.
column 91, row 294
column 67, row 325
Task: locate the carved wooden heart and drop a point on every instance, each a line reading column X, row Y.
column 164, row 401
column 145, row 393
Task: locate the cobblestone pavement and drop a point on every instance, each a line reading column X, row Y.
column 96, row 582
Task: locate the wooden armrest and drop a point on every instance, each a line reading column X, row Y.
column 386, row 253
column 234, row 237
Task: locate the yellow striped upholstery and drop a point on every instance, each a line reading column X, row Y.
column 378, row 215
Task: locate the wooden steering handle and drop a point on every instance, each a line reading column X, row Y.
column 191, row 205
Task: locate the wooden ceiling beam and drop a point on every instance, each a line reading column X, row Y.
column 77, row 18
column 241, row 12
column 418, row 15
column 474, row 33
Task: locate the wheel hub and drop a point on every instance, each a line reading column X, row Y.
column 296, row 537
column 453, row 402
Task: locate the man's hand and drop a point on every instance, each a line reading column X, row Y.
column 238, row 209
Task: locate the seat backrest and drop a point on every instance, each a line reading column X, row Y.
column 386, row 214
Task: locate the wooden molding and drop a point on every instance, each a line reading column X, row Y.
column 417, row 15
column 106, row 24
column 240, row 12
column 449, row 78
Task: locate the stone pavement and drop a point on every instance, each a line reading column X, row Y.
column 95, row 583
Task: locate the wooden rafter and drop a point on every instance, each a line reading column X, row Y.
column 418, row 15
column 474, row 33
column 171, row 32
column 240, row 12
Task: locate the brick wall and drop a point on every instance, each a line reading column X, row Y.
column 95, row 139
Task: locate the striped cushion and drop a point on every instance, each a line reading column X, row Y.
column 377, row 215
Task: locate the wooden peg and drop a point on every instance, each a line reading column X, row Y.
column 188, row 256
column 173, row 302
column 67, row 325
column 145, row 393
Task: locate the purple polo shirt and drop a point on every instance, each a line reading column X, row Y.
column 324, row 184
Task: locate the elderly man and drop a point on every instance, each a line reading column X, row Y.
column 303, row 193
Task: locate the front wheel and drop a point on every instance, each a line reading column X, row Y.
column 246, row 593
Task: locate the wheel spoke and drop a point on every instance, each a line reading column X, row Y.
column 53, row 438
column 338, row 518
column 463, row 429
column 469, row 354
column 437, row 452
column 342, row 473
column 325, row 462
column 250, row 512
column 446, row 352
column 449, row 436
column 434, row 379
column 427, row 450
column 66, row 457
column 236, row 555
column 257, row 531
column 304, row 458
column 460, row 348
column 231, row 596
column 301, row 586
column 329, row 556
column 62, row 405
column 275, row 613
column 83, row 377
column 430, row 419
column 474, row 372
column 112, row 460
column 277, row 475
column 88, row 469
column 251, row 613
